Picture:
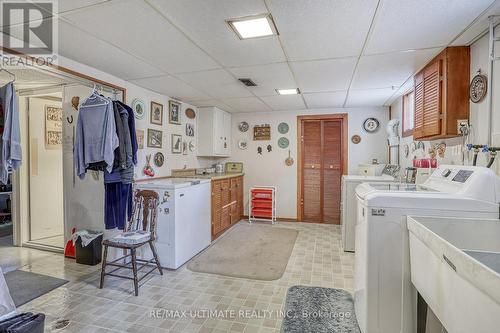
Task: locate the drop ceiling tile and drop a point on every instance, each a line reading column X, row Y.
column 479, row 26
column 408, row 24
column 65, row 6
column 333, row 99
column 115, row 62
column 204, row 22
column 217, row 83
column 324, row 75
column 246, row 104
column 369, row 97
column 267, row 77
column 322, row 28
column 284, row 102
column 136, row 27
column 390, row 69
column 213, row 102
column 171, row 86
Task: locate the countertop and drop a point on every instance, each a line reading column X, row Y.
column 212, row 176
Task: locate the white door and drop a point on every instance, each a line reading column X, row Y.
column 83, row 199
column 45, row 171
column 227, row 133
column 218, row 131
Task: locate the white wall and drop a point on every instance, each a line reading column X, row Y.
column 478, row 116
column 270, row 168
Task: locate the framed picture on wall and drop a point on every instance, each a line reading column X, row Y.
column 174, row 112
column 156, row 113
column 154, row 138
column 53, row 127
column 176, row 144
column 140, row 138
column 189, row 129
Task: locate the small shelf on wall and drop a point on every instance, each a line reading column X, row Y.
column 262, row 204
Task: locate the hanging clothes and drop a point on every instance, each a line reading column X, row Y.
column 96, row 137
column 118, row 183
column 10, row 158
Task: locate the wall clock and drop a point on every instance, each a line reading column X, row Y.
column 283, row 128
column 478, row 88
column 371, row 125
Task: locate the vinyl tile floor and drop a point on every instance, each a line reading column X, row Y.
column 181, row 300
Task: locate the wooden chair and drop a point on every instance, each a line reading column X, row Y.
column 144, row 217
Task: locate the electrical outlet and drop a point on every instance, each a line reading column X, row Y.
column 462, row 123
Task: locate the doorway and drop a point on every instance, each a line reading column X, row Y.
column 322, row 144
column 45, row 160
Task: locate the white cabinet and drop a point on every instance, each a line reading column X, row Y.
column 214, row 132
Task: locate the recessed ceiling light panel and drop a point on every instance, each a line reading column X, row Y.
column 292, row 91
column 253, row 26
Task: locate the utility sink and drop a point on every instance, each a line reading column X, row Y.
column 455, row 266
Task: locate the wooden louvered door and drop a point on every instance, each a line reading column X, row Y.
column 322, row 161
column 216, row 207
column 332, row 170
column 432, row 99
column 418, row 129
column 311, row 143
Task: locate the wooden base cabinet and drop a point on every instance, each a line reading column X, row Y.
column 227, row 204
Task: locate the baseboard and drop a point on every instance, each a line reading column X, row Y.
column 43, row 247
column 279, row 219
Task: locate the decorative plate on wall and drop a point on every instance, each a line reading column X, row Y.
column 242, row 144
column 283, row 128
column 283, row 142
column 406, row 150
column 478, row 88
column 190, row 113
column 356, row 139
column 139, row 108
column 159, row 159
column 243, row 126
column 371, row 125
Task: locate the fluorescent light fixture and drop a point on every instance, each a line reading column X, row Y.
column 253, row 26
column 292, row 91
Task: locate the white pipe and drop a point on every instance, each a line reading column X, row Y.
column 490, row 78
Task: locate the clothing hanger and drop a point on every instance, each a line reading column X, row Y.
column 10, row 73
column 95, row 94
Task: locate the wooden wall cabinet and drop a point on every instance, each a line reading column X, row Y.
column 227, row 204
column 214, row 132
column 442, row 94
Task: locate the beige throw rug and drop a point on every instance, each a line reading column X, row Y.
column 252, row 251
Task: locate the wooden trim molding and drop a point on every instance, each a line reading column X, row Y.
column 343, row 117
column 68, row 71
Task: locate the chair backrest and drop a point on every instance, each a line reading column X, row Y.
column 144, row 212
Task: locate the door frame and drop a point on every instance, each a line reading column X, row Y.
column 20, row 225
column 343, row 118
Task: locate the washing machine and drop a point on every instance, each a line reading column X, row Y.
column 384, row 299
column 348, row 204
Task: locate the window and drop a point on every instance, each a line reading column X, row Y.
column 408, row 113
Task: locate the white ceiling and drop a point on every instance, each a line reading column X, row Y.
column 339, row 53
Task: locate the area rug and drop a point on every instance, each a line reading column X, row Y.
column 315, row 309
column 26, row 286
column 252, row 251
